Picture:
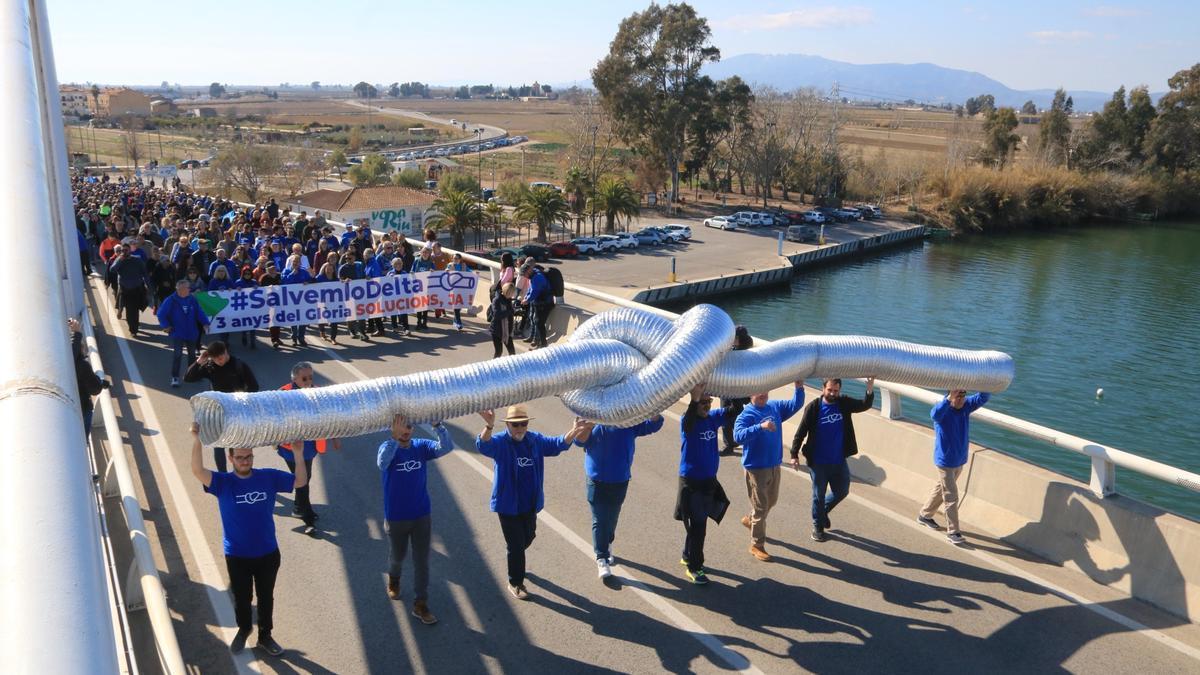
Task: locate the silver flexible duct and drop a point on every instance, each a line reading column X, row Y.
column 619, row 367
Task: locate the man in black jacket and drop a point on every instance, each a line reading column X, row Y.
column 131, row 276
column 826, row 424
column 227, row 374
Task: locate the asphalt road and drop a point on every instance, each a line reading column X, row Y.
column 883, row 594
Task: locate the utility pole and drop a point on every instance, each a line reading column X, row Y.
column 835, row 93
column 592, row 184
column 479, row 153
column 522, row 165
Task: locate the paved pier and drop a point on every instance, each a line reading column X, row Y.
column 883, row 594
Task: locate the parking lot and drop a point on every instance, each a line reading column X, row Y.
column 709, row 253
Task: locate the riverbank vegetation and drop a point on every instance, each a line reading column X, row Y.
column 1131, row 159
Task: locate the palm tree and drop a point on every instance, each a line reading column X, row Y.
column 455, row 211
column 494, row 213
column 577, row 186
column 544, row 206
column 95, row 92
column 616, row 200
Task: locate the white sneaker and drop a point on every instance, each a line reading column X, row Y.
column 956, row 539
column 174, row 381
column 602, row 569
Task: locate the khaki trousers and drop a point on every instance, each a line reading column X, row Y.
column 944, row 492
column 762, row 486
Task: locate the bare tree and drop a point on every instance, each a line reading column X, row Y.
column 299, row 169
column 593, row 139
column 246, row 167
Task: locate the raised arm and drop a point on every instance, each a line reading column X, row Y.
column 444, row 443
column 483, row 443
column 298, row 460
column 857, row 406
column 202, row 474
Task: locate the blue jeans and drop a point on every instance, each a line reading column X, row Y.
column 606, row 500
column 177, row 346
column 828, row 476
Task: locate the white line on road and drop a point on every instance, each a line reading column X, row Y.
column 210, row 574
column 731, row 658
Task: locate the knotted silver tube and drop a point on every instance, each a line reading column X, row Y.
column 618, row 367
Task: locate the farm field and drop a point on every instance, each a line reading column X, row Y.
column 545, row 120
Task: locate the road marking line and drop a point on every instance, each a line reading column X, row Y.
column 210, row 574
column 731, row 658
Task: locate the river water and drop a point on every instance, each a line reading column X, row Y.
column 1111, row 307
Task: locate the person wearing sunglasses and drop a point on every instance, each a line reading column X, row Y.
column 519, row 457
column 951, row 438
column 403, row 460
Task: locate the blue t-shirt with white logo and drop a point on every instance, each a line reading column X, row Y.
column 830, row 432
column 698, row 456
column 405, row 472
column 247, row 509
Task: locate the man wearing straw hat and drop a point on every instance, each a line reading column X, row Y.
column 519, row 456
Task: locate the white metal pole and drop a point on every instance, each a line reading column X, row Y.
column 56, row 148
column 55, row 612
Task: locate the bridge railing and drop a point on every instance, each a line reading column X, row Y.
column 147, row 592
column 56, row 613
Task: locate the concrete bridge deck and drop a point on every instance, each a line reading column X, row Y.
column 883, row 594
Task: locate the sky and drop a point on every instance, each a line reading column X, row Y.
column 1024, row 44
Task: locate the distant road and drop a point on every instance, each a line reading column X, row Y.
column 489, row 132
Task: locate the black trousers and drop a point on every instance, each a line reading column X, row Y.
column 302, row 504
column 133, row 300
column 500, row 346
column 248, row 576
column 519, row 532
column 400, row 321
column 695, row 523
column 541, row 314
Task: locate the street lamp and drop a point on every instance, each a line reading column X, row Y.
column 479, row 153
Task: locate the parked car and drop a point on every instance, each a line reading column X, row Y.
column 682, row 229
column 543, row 184
column 587, row 245
column 850, row 214
column 667, row 236
column 497, row 253
column 875, row 211
column 801, row 233
column 564, row 249
column 765, row 219
column 832, row 214
column 814, row 217
column 611, row 242
column 536, row 251
column 745, row 218
column 649, row 237
column 720, row 222
column 627, row 240
column 190, row 164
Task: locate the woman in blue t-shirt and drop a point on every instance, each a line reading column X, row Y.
column 700, row 495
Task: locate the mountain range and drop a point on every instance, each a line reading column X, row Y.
column 888, row 82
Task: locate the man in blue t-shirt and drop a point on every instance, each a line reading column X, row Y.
column 519, row 456
column 830, row 440
column 951, row 436
column 402, row 461
column 759, row 430
column 607, row 461
column 246, row 498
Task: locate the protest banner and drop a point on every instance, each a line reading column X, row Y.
column 336, row 301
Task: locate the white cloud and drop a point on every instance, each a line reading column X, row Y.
column 817, row 17
column 1110, row 11
column 1052, row 36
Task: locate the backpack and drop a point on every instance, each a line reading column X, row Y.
column 556, row 283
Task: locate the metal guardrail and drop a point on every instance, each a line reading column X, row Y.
column 148, row 591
